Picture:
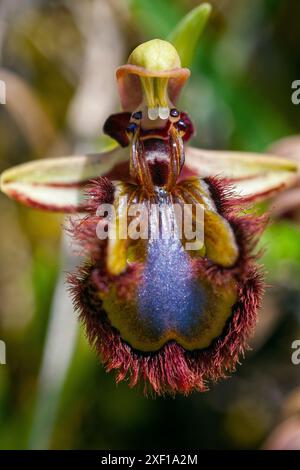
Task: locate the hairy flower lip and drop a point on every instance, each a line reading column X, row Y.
column 172, row 369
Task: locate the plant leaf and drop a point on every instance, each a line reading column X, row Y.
column 254, row 176
column 186, row 34
column 57, row 184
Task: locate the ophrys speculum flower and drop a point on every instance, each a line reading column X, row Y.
column 157, row 310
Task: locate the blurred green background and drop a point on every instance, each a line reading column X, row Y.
column 58, row 60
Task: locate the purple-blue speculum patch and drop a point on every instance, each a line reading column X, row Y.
column 168, row 297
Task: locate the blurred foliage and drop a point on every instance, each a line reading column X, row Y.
column 239, row 98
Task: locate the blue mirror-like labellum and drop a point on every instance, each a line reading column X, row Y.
column 169, row 298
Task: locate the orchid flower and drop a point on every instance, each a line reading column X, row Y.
column 155, row 310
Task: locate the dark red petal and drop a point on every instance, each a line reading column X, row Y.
column 115, row 126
